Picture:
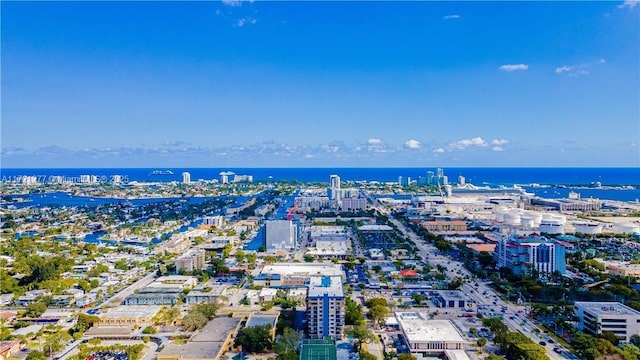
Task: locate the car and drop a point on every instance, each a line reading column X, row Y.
column 542, row 343
column 557, row 350
column 550, row 341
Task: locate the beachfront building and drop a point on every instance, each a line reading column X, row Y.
column 186, row 178
column 596, row 317
column 281, row 235
column 325, row 308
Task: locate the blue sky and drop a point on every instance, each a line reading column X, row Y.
column 209, row 84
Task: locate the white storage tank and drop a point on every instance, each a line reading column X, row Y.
column 625, row 228
column 587, row 227
column 512, row 218
column 551, row 226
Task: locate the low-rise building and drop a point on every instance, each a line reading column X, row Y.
column 596, row 317
column 451, row 299
column 210, row 343
column 207, row 293
column 295, row 274
column 131, row 316
column 425, row 336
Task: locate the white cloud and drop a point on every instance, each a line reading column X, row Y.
column 629, row 4
column 412, row 144
column 499, row 142
column 465, row 143
column 514, row 67
column 497, row 148
column 438, row 150
column 232, row 2
column 374, row 141
column 451, row 17
column 246, row 21
column 578, row 70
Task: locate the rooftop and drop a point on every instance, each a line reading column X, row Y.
column 418, row 329
column 607, row 308
column 131, row 312
column 216, row 330
column 452, row 294
column 306, row 269
column 375, row 228
column 321, row 285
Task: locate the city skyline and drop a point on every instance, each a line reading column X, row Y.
column 308, row 84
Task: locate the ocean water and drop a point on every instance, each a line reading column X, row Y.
column 478, row 176
column 575, row 179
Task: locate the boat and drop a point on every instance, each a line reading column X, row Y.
column 161, row 172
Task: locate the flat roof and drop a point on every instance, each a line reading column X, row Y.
column 216, row 330
column 262, row 319
column 375, row 228
column 452, row 295
column 303, row 269
column 198, row 350
column 417, row 329
column 321, row 285
column 131, row 312
column 318, row 350
column 607, row 308
column 456, row 355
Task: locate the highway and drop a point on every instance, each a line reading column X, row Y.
column 482, row 294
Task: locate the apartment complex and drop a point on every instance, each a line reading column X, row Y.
column 596, row 317
column 325, row 308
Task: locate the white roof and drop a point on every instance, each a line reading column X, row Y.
column 305, row 269
column 456, row 355
column 131, row 312
column 321, row 285
column 417, row 329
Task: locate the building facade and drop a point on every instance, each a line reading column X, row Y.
column 534, row 253
column 596, row 317
column 281, row 235
column 325, row 308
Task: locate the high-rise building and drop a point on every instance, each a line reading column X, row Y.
column 440, row 172
column 334, row 192
column 186, row 178
column 430, row 178
column 325, row 308
column 461, row 180
column 334, row 181
column 281, row 235
column 534, row 253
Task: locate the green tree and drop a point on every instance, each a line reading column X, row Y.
column 406, row 357
column 481, row 342
column 85, row 322
column 611, row 337
column 35, row 309
column 353, row 312
column 378, row 314
column 254, row 339
column 361, row 335
column 418, row 298
column 286, row 342
column 194, row 320
column 308, row 258
column 208, row 310
column 36, row 355
column 367, row 356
